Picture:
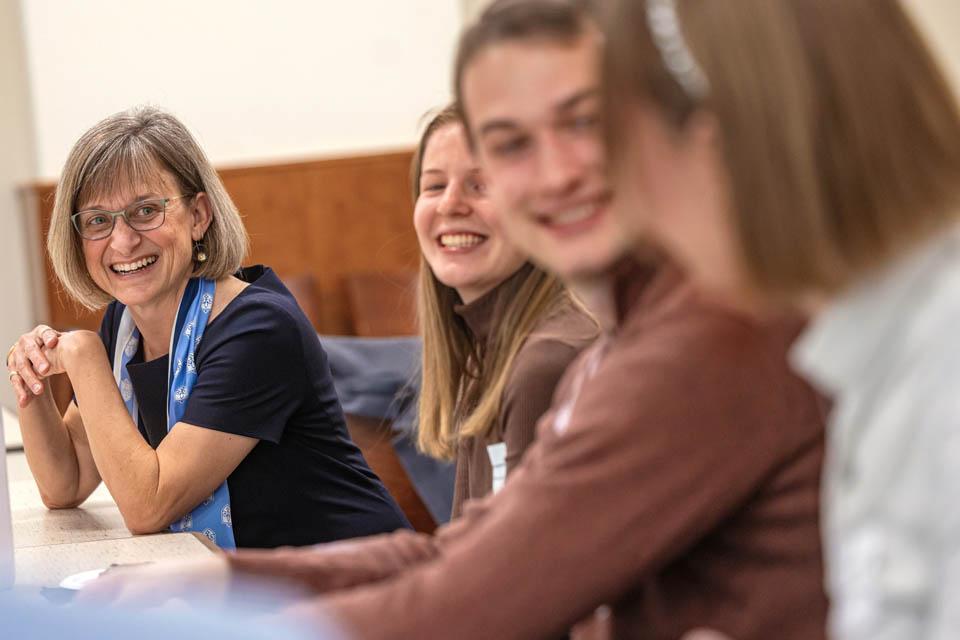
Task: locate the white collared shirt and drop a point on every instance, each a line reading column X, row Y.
column 889, row 355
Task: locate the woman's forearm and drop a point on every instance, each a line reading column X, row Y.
column 127, row 464
column 152, row 488
column 51, row 453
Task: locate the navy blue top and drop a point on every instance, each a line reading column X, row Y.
column 262, row 373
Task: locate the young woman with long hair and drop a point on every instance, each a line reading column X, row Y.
column 498, row 332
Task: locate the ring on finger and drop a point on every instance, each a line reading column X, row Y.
column 11, row 374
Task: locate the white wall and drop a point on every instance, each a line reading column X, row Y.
column 254, row 80
column 17, row 167
column 940, row 19
column 472, row 8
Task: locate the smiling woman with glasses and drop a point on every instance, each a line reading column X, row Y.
column 205, row 403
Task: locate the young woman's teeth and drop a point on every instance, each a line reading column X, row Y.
column 130, row 267
column 460, row 240
column 573, row 215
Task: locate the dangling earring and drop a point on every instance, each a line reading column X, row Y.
column 199, row 252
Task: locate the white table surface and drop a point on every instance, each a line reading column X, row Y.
column 50, row 545
column 47, row 566
column 36, row 526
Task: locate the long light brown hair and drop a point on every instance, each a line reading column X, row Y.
column 463, row 380
column 840, row 135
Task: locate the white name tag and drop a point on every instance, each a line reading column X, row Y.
column 498, row 462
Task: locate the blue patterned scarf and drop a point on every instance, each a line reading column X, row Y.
column 212, row 517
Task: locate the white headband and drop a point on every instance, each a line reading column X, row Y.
column 664, row 23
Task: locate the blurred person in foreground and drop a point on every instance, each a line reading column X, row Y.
column 806, row 154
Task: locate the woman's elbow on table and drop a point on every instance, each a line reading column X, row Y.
column 60, row 502
column 145, row 518
column 141, row 523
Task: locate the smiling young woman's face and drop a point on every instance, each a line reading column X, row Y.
column 143, row 269
column 456, row 225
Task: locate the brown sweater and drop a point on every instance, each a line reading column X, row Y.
column 676, row 481
column 537, row 368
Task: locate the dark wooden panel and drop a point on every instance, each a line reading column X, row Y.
column 273, row 205
column 363, row 225
column 383, row 304
column 322, row 218
column 64, row 312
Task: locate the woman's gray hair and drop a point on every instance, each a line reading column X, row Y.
column 125, row 150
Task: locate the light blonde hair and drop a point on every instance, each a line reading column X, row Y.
column 463, row 381
column 127, row 149
column 839, row 133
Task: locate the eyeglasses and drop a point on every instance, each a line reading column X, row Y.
column 97, row 224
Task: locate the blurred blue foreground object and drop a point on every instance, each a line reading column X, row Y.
column 29, row 615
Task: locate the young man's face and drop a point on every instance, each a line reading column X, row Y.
column 533, row 107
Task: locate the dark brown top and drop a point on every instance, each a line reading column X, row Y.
column 675, row 483
column 537, row 368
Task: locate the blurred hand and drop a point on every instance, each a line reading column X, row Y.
column 157, row 584
column 28, row 363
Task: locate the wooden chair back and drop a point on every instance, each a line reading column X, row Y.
column 303, row 287
column 374, row 439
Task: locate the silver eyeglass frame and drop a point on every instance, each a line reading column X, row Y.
column 125, row 214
